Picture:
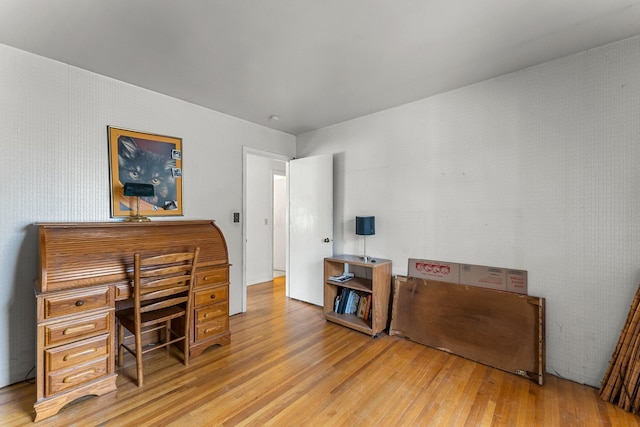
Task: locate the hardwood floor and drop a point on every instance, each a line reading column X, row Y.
column 287, row 366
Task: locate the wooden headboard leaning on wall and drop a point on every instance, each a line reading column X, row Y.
column 502, row 329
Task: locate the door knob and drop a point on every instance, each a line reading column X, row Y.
column 326, row 240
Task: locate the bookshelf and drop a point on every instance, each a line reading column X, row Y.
column 372, row 278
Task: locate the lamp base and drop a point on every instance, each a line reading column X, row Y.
column 365, row 258
column 137, row 218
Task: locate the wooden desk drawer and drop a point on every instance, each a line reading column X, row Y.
column 89, row 326
column 211, row 295
column 210, row 312
column 214, row 327
column 58, row 381
column 78, row 302
column 211, row 276
column 123, row 291
column 66, row 356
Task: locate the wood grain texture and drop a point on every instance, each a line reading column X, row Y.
column 80, row 254
column 288, row 366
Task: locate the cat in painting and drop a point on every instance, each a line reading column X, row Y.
column 138, row 165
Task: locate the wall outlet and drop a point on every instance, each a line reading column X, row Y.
column 236, row 217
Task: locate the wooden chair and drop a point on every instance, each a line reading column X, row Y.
column 163, row 291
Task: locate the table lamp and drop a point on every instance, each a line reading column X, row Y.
column 138, row 190
column 365, row 226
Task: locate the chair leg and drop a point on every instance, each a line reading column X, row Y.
column 120, row 342
column 185, row 344
column 139, row 357
column 185, row 351
column 167, row 334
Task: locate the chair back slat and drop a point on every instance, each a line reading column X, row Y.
column 163, row 293
column 163, row 304
column 164, row 282
column 166, row 259
column 166, row 270
column 162, row 276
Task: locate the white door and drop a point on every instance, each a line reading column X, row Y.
column 310, row 226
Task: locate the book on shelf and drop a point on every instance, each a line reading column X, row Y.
column 347, row 309
column 349, row 301
column 354, row 304
column 344, row 296
column 362, row 306
column 367, row 310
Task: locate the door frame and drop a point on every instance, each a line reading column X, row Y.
column 247, row 151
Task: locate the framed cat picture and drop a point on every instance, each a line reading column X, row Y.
column 145, row 158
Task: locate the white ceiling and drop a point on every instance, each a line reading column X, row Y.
column 313, row 63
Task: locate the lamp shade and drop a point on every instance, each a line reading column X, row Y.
column 138, row 189
column 365, row 225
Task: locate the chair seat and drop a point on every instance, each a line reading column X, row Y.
column 127, row 317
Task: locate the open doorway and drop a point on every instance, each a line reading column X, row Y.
column 265, row 218
column 279, row 224
column 309, row 225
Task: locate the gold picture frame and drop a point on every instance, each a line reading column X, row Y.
column 145, row 158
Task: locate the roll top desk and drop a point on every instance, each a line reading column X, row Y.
column 84, row 269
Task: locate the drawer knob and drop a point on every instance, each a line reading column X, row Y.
column 213, row 296
column 79, row 303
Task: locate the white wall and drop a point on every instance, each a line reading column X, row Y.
column 536, row 170
column 53, row 135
